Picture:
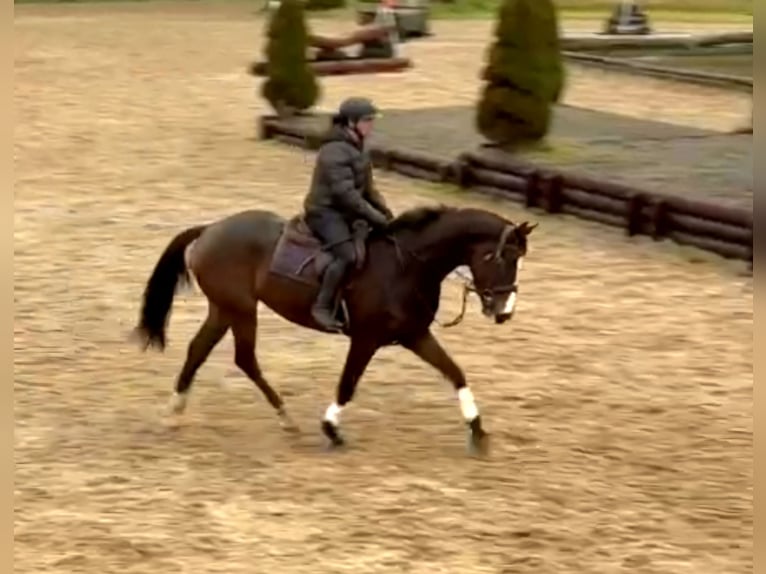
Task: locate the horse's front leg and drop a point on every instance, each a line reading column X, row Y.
column 359, row 355
column 428, row 348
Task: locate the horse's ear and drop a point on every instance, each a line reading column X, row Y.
column 525, row 228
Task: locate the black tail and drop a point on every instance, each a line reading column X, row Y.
column 169, row 273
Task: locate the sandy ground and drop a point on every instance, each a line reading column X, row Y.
column 620, row 396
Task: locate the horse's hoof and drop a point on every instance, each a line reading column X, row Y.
column 169, row 419
column 332, row 448
column 290, row 427
column 287, row 423
column 331, row 432
column 478, row 444
column 173, row 411
column 177, row 405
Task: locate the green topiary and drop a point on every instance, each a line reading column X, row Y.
column 524, row 74
column 291, row 84
column 324, row 4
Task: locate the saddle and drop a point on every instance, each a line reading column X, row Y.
column 299, row 254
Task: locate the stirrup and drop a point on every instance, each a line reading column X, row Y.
column 325, row 319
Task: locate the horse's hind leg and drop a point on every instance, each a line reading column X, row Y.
column 243, row 328
column 208, row 336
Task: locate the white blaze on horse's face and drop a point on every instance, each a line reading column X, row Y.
column 509, row 306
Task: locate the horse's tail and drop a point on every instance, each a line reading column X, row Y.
column 169, row 273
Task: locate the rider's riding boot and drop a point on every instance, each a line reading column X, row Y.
column 323, row 309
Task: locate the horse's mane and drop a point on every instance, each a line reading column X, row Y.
column 417, row 218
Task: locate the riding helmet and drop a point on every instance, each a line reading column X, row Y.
column 356, row 109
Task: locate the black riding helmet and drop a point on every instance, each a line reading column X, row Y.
column 353, row 110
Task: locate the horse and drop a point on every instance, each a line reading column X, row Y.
column 389, row 298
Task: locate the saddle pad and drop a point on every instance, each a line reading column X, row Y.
column 298, row 256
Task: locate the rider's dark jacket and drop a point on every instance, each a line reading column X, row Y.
column 343, row 183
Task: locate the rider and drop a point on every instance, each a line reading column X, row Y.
column 342, row 192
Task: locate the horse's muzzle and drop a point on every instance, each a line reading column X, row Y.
column 505, row 312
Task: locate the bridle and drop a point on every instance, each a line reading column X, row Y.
column 497, row 289
column 468, row 284
column 497, row 258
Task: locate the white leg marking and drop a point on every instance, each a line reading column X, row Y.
column 519, row 264
column 467, row 404
column 178, row 403
column 332, row 414
column 510, row 303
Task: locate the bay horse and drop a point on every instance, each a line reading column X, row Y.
column 390, row 298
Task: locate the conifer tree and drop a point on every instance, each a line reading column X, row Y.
column 524, row 74
column 291, row 84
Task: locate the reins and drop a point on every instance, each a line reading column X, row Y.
column 468, row 284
